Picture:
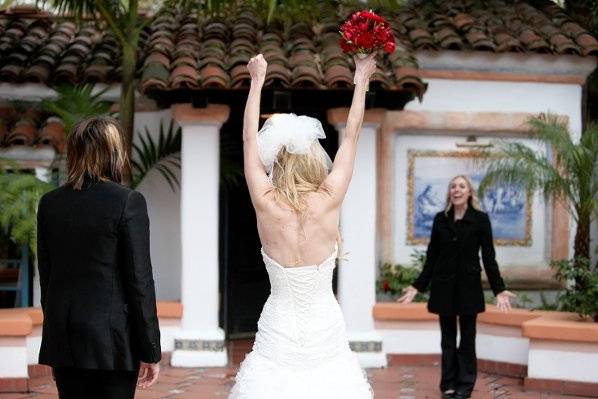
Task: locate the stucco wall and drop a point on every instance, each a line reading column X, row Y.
column 165, row 217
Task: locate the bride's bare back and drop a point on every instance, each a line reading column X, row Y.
column 287, row 237
column 293, row 242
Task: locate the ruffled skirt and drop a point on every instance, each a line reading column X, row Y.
column 262, row 378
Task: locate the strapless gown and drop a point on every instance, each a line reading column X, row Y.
column 301, row 350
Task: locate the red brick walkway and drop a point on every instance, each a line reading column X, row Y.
column 394, row 382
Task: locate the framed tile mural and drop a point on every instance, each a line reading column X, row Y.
column 428, row 174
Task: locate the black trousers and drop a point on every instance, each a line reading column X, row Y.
column 74, row 383
column 459, row 363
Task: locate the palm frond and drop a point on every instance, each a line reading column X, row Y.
column 19, row 196
column 75, row 103
column 163, row 157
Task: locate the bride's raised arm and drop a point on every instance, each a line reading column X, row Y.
column 255, row 174
column 339, row 178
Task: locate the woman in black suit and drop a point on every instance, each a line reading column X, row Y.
column 453, row 269
column 100, row 332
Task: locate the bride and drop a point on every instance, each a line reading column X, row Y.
column 301, row 349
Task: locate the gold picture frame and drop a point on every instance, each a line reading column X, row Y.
column 415, row 234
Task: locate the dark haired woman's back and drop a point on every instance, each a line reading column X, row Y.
column 97, row 286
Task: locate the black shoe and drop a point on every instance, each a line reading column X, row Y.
column 448, row 394
column 462, row 395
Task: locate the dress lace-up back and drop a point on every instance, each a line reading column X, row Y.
column 301, row 348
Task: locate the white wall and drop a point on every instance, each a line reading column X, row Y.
column 504, row 97
column 164, row 213
column 533, row 255
column 484, row 96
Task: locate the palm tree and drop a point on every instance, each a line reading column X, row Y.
column 572, row 178
column 75, row 103
column 122, row 17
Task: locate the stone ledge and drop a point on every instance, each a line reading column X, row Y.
column 560, row 326
column 395, row 311
column 536, row 324
column 15, row 323
column 170, row 309
column 514, row 318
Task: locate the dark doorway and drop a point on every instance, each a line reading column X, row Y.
column 244, row 284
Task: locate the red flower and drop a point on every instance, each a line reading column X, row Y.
column 366, row 32
column 386, row 286
column 389, row 47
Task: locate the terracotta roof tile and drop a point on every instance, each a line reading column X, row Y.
column 180, row 50
column 26, row 124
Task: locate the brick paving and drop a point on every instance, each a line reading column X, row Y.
column 395, row 382
column 398, row 381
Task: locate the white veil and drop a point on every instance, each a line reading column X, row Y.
column 295, row 133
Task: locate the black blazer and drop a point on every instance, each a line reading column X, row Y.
column 453, row 265
column 97, row 288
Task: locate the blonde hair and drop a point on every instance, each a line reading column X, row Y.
column 294, row 175
column 95, row 150
column 473, row 199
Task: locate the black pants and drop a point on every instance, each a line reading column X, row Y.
column 459, row 363
column 73, row 383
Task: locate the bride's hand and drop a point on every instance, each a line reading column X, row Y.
column 257, row 68
column 364, row 68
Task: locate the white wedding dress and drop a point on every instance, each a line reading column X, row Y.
column 301, row 349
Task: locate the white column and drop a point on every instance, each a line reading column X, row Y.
column 357, row 274
column 201, row 341
column 44, row 174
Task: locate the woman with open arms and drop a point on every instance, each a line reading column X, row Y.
column 301, row 348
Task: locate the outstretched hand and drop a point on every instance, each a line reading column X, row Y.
column 257, row 67
column 364, row 68
column 408, row 294
column 503, row 301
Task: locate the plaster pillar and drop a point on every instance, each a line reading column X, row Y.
column 200, row 342
column 358, row 269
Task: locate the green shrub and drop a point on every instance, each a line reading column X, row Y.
column 581, row 292
column 395, row 277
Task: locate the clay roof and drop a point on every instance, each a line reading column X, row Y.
column 25, row 124
column 178, row 50
column 498, row 26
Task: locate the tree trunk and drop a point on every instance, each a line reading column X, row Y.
column 582, row 239
column 127, row 101
column 581, row 249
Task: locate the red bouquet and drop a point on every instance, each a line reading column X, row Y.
column 365, row 32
